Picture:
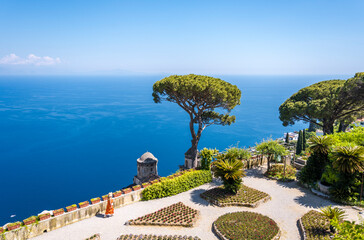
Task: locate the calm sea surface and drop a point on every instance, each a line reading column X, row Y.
column 64, row 140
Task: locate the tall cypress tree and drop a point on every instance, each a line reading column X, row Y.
column 287, row 138
column 299, row 143
column 304, row 140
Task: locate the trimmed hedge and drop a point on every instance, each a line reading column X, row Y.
column 170, row 187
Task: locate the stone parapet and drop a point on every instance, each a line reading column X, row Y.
column 50, row 224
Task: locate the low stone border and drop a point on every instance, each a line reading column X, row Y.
column 67, row 218
column 222, row 237
column 252, row 205
column 302, row 230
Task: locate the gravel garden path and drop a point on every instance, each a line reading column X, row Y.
column 289, row 202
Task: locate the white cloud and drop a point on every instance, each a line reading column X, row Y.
column 31, row 59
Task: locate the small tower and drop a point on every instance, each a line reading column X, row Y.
column 147, row 168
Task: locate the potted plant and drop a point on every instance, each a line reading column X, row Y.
column 95, row 200
column 145, row 184
column 154, row 181
column 44, row 216
column 71, row 208
column 12, row 226
column 30, row 220
column 105, row 197
column 84, row 204
column 58, row 212
column 136, row 187
column 1, row 230
column 126, row 190
column 117, row 193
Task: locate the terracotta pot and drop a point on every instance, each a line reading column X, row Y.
column 84, row 205
column 44, row 216
column 70, row 209
column 145, row 185
column 95, row 201
column 29, row 222
column 13, row 227
column 117, row 194
column 58, row 212
column 105, row 197
column 127, row 190
column 137, row 187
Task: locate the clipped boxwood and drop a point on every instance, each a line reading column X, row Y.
column 170, row 187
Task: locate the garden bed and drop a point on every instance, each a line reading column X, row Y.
column 314, row 226
column 156, row 237
column 246, row 226
column 177, row 214
column 276, row 172
column 246, row 196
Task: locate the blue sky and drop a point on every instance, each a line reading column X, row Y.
column 179, row 37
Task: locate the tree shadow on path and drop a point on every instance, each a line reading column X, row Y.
column 196, row 198
column 311, row 200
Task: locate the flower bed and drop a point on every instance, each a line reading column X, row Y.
column 246, row 196
column 177, row 214
column 277, row 172
column 246, row 226
column 156, row 237
column 94, row 237
column 315, row 226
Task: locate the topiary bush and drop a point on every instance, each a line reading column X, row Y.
column 246, row 226
column 170, row 187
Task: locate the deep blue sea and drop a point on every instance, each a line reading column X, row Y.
column 64, row 140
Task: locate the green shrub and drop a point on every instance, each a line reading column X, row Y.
column 347, row 230
column 277, row 171
column 330, row 176
column 170, row 187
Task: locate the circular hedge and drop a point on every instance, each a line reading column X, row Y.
column 246, row 225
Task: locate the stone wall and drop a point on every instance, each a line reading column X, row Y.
column 59, row 221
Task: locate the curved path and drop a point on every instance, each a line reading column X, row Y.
column 289, row 202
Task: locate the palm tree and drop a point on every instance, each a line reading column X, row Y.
column 230, row 171
column 350, row 160
column 320, row 144
column 271, row 149
column 333, row 213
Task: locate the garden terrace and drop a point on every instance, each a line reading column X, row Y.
column 246, row 196
column 156, row 237
column 246, row 226
column 177, row 214
column 315, row 226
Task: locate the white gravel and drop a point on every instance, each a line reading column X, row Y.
column 289, row 202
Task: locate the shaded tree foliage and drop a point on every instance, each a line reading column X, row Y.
column 199, row 96
column 325, row 102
